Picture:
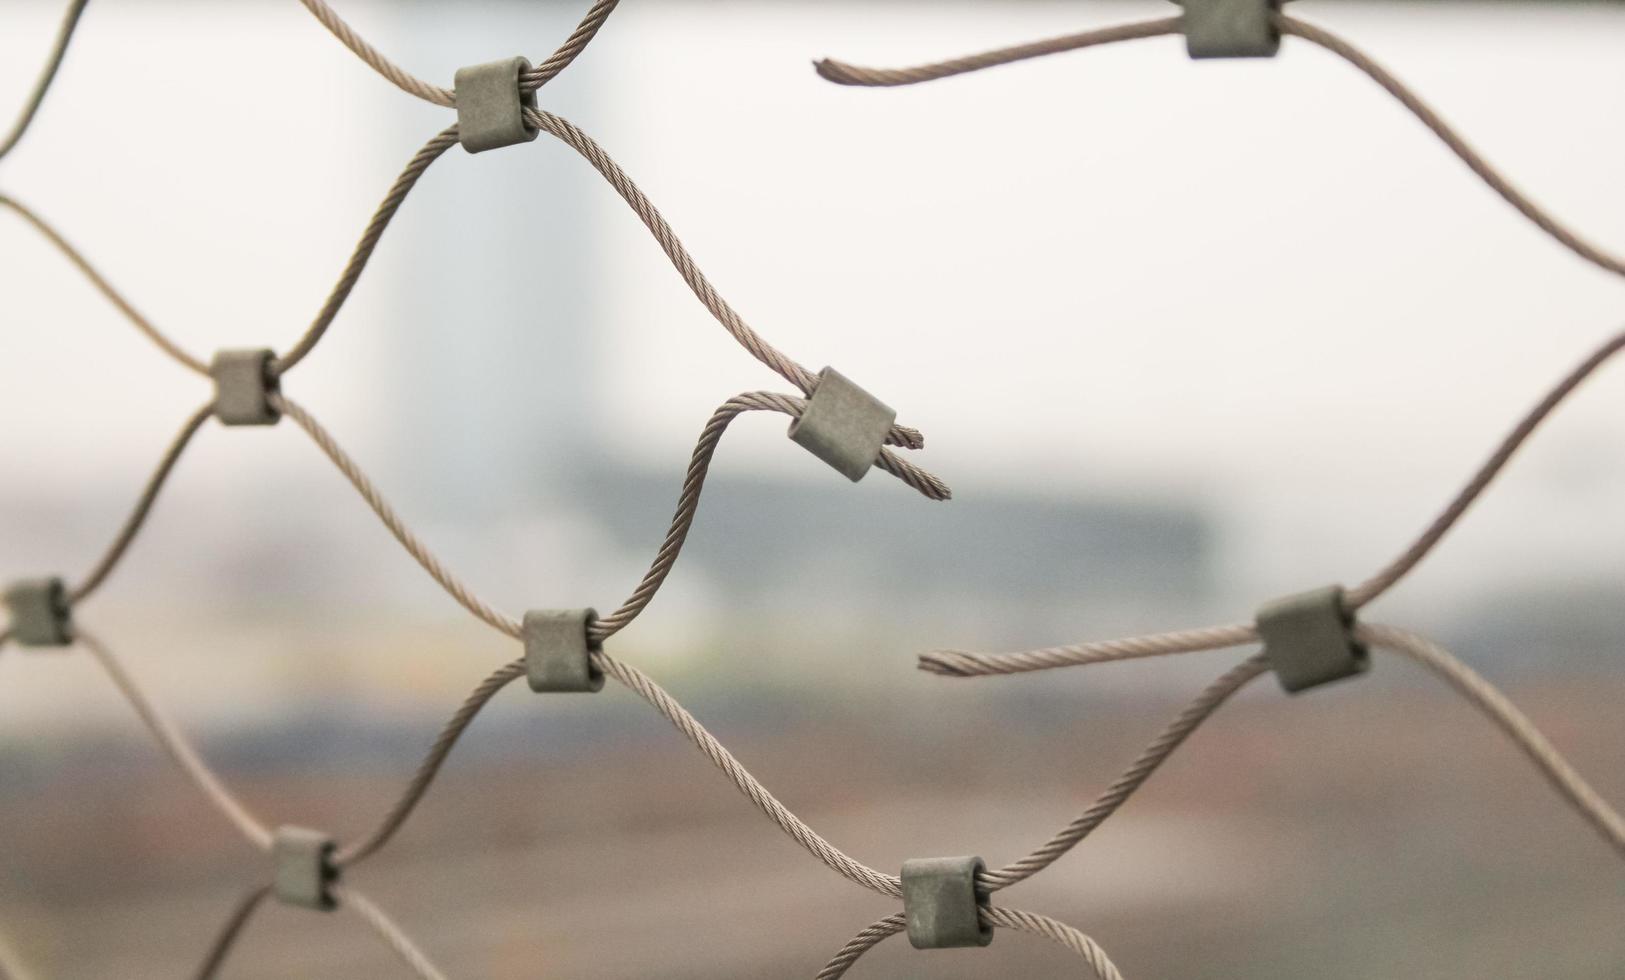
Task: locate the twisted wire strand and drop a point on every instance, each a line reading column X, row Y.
column 392, row 934
column 1397, row 569
column 1559, row 772
column 408, row 178
column 430, row 767
column 899, row 435
column 1042, row 925
column 680, row 258
column 571, row 48
column 868, row 938
column 644, row 687
column 665, row 558
column 960, row 663
column 842, row 73
column 143, row 506
column 694, row 482
column 53, row 61
column 1486, row 172
column 104, row 287
column 229, row 932
column 398, row 76
column 845, row 74
column 1060, row 932
column 169, row 735
column 1154, row 755
column 420, row 553
column 407, row 82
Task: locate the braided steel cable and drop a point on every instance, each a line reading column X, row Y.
column 665, row 558
column 960, row 663
column 1390, row 574
column 1040, row 925
column 220, row 947
column 179, row 748
column 412, row 85
column 143, row 507
column 370, row 236
column 1150, row 759
column 430, row 767
column 836, row 860
column 1517, row 727
column 42, row 85
column 842, row 73
column 1564, row 778
column 102, row 286
column 392, row 934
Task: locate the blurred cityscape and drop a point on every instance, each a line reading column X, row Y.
column 1137, row 441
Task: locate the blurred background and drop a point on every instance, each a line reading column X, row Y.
column 1182, row 337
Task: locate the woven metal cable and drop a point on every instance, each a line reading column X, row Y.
column 104, row 287
column 375, row 59
column 430, row 767
column 407, row 82
column 842, row 73
column 640, row 684
column 432, row 150
column 143, row 507
column 1390, row 574
column 1477, row 691
column 1153, row 756
column 960, row 663
column 392, row 934
column 1513, row 723
column 786, row 367
column 220, row 947
column 53, row 61
column 454, row 586
column 845, row 74
column 1041, row 925
column 665, row 558
column 169, row 735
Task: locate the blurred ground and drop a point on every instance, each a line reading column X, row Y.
column 1369, row 832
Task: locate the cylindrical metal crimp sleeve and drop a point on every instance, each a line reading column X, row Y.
column 243, row 386
column 40, row 616
column 843, row 425
column 558, row 653
column 490, row 106
column 1309, row 639
column 941, row 904
column 1231, row 28
column 304, row 869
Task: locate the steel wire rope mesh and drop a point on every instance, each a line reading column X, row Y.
column 169, row 736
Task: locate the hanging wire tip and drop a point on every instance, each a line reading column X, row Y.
column 947, row 663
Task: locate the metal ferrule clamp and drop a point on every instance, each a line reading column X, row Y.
column 843, row 425
column 1309, row 639
column 942, row 905
column 40, row 614
column 558, row 652
column 305, row 872
column 1231, row 28
column 243, row 386
column 490, row 105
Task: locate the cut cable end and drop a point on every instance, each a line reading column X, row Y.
column 904, row 437
column 831, row 70
column 944, row 663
